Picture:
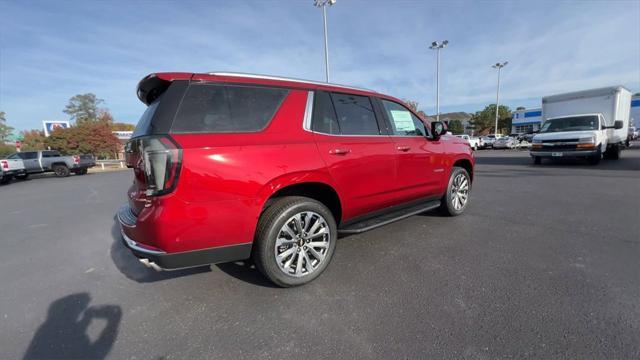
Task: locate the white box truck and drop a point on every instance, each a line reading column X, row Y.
column 587, row 124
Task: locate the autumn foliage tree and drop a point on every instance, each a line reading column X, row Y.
column 86, row 138
column 33, row 140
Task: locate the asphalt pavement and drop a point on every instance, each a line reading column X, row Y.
column 545, row 263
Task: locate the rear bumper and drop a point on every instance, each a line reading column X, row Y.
column 14, row 172
column 565, row 153
column 162, row 260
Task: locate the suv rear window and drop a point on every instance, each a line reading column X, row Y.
column 217, row 108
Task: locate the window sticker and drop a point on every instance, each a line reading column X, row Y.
column 402, row 120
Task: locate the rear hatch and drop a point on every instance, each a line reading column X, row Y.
column 11, row 165
column 154, row 156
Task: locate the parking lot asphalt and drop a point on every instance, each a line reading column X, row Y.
column 544, row 263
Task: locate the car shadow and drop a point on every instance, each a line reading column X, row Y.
column 63, row 335
column 130, row 267
column 246, row 271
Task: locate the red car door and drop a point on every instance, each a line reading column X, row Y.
column 420, row 160
column 360, row 159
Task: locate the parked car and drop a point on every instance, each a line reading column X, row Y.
column 51, row 161
column 473, row 142
column 10, row 168
column 506, row 142
column 528, row 136
column 490, row 139
column 229, row 166
column 585, row 124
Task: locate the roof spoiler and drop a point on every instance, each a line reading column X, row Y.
column 154, row 85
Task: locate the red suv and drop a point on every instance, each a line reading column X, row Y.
column 232, row 166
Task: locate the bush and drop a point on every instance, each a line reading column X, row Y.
column 6, row 150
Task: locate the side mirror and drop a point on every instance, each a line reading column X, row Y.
column 618, row 124
column 437, row 129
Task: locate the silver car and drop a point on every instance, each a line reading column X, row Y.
column 506, row 142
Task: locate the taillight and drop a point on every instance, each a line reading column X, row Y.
column 76, row 159
column 160, row 160
column 5, row 164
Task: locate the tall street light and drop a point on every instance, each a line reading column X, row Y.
column 437, row 46
column 323, row 4
column 499, row 67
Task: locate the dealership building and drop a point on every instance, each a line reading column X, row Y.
column 525, row 121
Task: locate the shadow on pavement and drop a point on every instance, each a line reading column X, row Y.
column 130, row 267
column 246, row 271
column 64, row 335
column 624, row 163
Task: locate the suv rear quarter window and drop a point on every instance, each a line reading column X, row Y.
column 217, row 108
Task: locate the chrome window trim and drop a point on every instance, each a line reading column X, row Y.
column 308, row 111
column 308, row 116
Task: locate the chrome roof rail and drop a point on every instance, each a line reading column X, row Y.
column 283, row 78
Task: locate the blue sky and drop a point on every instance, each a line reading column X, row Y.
column 50, row 51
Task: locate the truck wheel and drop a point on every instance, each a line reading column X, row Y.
column 61, row 170
column 6, row 179
column 455, row 200
column 613, row 153
column 537, row 160
column 295, row 240
column 81, row 171
column 594, row 160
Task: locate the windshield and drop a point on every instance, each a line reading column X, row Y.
column 575, row 123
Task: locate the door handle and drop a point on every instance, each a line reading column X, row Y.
column 339, row 151
column 403, row 148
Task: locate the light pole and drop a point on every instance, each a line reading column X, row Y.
column 437, row 46
column 323, row 4
column 499, row 67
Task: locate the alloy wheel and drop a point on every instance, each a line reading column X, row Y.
column 459, row 192
column 302, row 244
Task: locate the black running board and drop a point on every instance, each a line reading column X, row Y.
column 372, row 222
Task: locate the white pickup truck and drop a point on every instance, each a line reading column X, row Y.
column 10, row 168
column 474, row 142
column 587, row 124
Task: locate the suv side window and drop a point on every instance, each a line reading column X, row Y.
column 403, row 122
column 217, row 108
column 324, row 118
column 355, row 114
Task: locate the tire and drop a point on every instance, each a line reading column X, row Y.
column 271, row 226
column 82, row 171
column 22, row 177
column 613, row 153
column 594, row 160
column 61, row 170
column 6, row 179
column 450, row 204
column 537, row 160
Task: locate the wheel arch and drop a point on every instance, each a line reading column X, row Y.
column 317, row 190
column 465, row 164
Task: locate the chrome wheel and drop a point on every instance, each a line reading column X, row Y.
column 459, row 192
column 302, row 244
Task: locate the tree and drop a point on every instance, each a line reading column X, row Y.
column 6, row 150
column 33, row 140
column 413, row 105
column 456, row 127
column 122, row 127
column 87, row 138
column 521, row 108
column 5, row 130
column 486, row 119
column 83, row 108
